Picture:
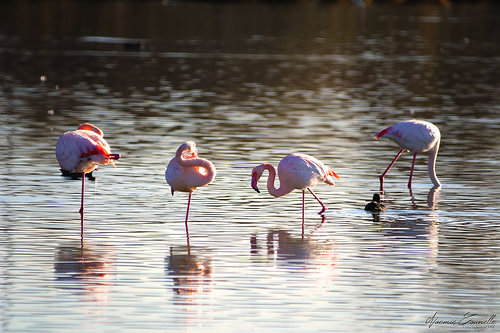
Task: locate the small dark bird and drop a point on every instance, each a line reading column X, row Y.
column 375, row 205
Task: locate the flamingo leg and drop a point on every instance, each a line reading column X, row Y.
column 81, row 206
column 411, row 171
column 303, row 211
column 187, row 215
column 387, row 170
column 320, row 202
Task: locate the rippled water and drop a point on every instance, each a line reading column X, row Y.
column 249, row 83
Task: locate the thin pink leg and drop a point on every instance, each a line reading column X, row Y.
column 81, row 207
column 303, row 211
column 321, row 203
column 387, row 170
column 187, row 215
column 411, row 171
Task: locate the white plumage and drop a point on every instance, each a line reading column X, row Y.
column 300, row 171
column 81, row 151
column 295, row 171
column 186, row 171
column 417, row 136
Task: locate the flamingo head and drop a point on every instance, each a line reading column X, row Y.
column 256, row 174
column 188, row 150
column 90, row 127
column 382, row 133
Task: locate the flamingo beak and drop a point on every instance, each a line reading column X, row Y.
column 254, row 184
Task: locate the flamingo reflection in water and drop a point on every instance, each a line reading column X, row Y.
column 88, row 270
column 411, row 241
column 191, row 273
column 414, row 231
column 190, row 269
column 314, row 255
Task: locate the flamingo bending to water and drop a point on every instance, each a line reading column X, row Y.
column 81, row 151
column 417, row 136
column 295, row 171
column 186, row 171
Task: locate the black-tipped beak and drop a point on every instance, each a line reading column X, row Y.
column 254, row 185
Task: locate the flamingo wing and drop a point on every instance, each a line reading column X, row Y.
column 75, row 146
column 302, row 171
column 414, row 135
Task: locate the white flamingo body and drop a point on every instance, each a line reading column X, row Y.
column 81, row 151
column 187, row 175
column 299, row 171
column 417, row 136
column 295, row 171
column 186, row 171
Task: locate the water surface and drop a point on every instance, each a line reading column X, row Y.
column 249, row 83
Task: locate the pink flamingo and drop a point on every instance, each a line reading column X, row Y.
column 81, row 151
column 417, row 136
column 295, row 171
column 186, row 171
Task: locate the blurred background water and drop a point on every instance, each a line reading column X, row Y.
column 250, row 82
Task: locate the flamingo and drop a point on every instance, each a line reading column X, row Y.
column 295, row 171
column 81, row 151
column 416, row 136
column 186, row 171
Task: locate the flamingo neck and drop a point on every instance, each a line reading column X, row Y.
column 431, row 165
column 275, row 192
column 198, row 162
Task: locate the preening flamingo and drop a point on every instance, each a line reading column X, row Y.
column 186, row 171
column 295, row 171
column 81, row 151
column 416, row 136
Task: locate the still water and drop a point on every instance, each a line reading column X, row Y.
column 250, row 83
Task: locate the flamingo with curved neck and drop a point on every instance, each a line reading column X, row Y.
column 186, row 171
column 416, row 136
column 295, row 171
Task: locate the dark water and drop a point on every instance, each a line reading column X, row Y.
column 250, row 83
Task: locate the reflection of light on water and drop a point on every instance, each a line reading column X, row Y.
column 249, row 101
column 88, row 271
